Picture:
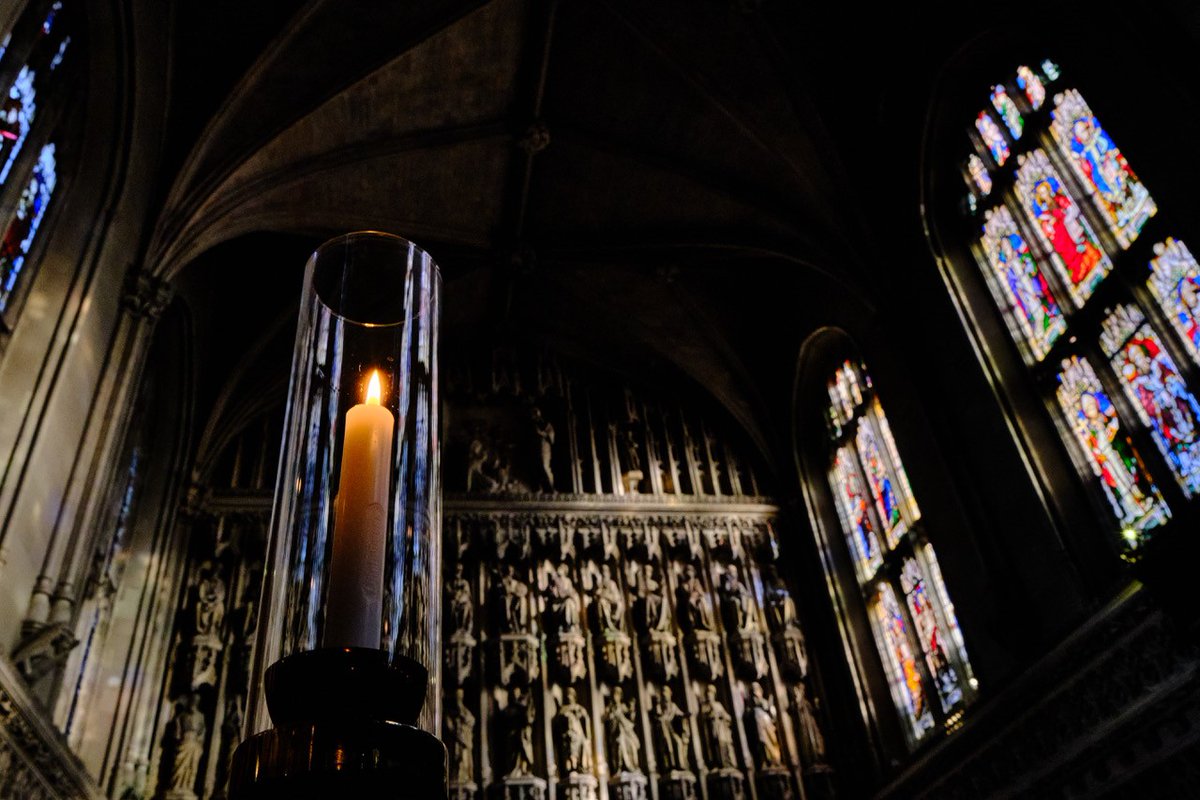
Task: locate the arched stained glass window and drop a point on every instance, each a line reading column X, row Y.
column 917, row 636
column 22, row 228
column 1115, row 350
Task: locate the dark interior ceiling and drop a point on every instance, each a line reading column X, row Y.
column 692, row 184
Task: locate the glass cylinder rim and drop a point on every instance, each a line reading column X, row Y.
column 324, row 251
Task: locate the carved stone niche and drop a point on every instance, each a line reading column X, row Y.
column 677, row 785
column 463, row 791
column 578, row 786
column 627, row 786
column 641, row 540
column 775, row 783
column 724, row 540
column 460, row 655
column 681, row 540
column 518, row 659
column 750, row 655
column 510, row 537
column 458, row 536
column 526, row 787
column 793, row 655
column 555, row 537
column 597, row 539
column 727, row 784
column 704, row 654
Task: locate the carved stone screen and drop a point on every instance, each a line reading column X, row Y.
column 616, row 625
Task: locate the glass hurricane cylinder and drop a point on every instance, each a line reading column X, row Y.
column 354, row 556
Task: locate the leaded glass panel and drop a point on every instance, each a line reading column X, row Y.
column 1175, row 283
column 22, row 228
column 992, row 138
column 930, row 634
column 1074, row 249
column 1021, row 290
column 1110, row 453
column 904, row 675
column 1157, row 391
column 1117, row 192
column 1029, row 82
column 1007, row 110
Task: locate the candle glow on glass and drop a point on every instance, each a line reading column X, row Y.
column 354, row 604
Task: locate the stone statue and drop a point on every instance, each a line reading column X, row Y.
column 656, row 615
column 812, row 743
column 621, row 726
column 462, row 607
column 518, row 724
column 185, row 735
column 514, row 602
column 460, row 725
column 717, row 728
column 611, row 601
column 694, row 605
column 477, row 459
column 738, row 602
column 633, row 458
column 781, row 608
column 564, row 601
column 573, row 731
column 209, row 610
column 765, row 728
column 545, row 434
column 672, row 732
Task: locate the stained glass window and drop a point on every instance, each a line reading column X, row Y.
column 1175, row 283
column 22, row 228
column 16, row 118
column 1007, row 110
column 992, row 138
column 979, row 174
column 1110, row 453
column 1119, row 195
column 904, row 677
column 1020, row 288
column 1074, row 248
column 879, row 517
column 1032, row 86
column 1156, row 390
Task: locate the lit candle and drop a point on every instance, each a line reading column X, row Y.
column 354, row 605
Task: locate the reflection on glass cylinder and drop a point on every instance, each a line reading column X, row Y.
column 354, row 556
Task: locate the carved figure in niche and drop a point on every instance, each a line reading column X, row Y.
column 765, row 727
column 621, row 726
column 717, row 728
column 672, row 731
column 574, row 736
column 185, row 736
column 460, row 725
column 738, row 602
column 656, row 616
column 478, row 457
column 209, row 609
column 812, row 742
column 513, row 596
column 545, row 434
column 781, row 608
column 694, row 606
column 518, row 727
column 462, row 607
column 611, row 601
column 564, row 601
column 512, row 539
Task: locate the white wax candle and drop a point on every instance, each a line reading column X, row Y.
column 354, row 605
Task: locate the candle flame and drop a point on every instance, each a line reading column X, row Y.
column 374, row 391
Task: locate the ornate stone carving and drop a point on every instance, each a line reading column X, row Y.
column 572, row 732
column 518, row 718
column 146, row 296
column 545, row 438
column 460, row 741
column 808, row 733
column 620, row 725
column 716, row 728
column 742, row 625
column 460, row 649
column 654, row 619
column 184, row 740
column 694, row 610
column 762, row 723
column 615, row 645
column 672, row 733
column 43, row 650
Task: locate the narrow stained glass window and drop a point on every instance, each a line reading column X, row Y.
column 1093, row 419
column 1175, row 283
column 1032, row 86
column 1021, row 291
column 1119, row 195
column 897, row 571
column 992, row 138
column 16, row 118
column 904, row 677
column 856, row 518
column 979, row 174
column 1157, row 391
column 1007, row 110
column 22, row 228
column 930, row 634
column 1074, row 249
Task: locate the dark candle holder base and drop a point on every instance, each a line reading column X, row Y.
column 344, row 727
